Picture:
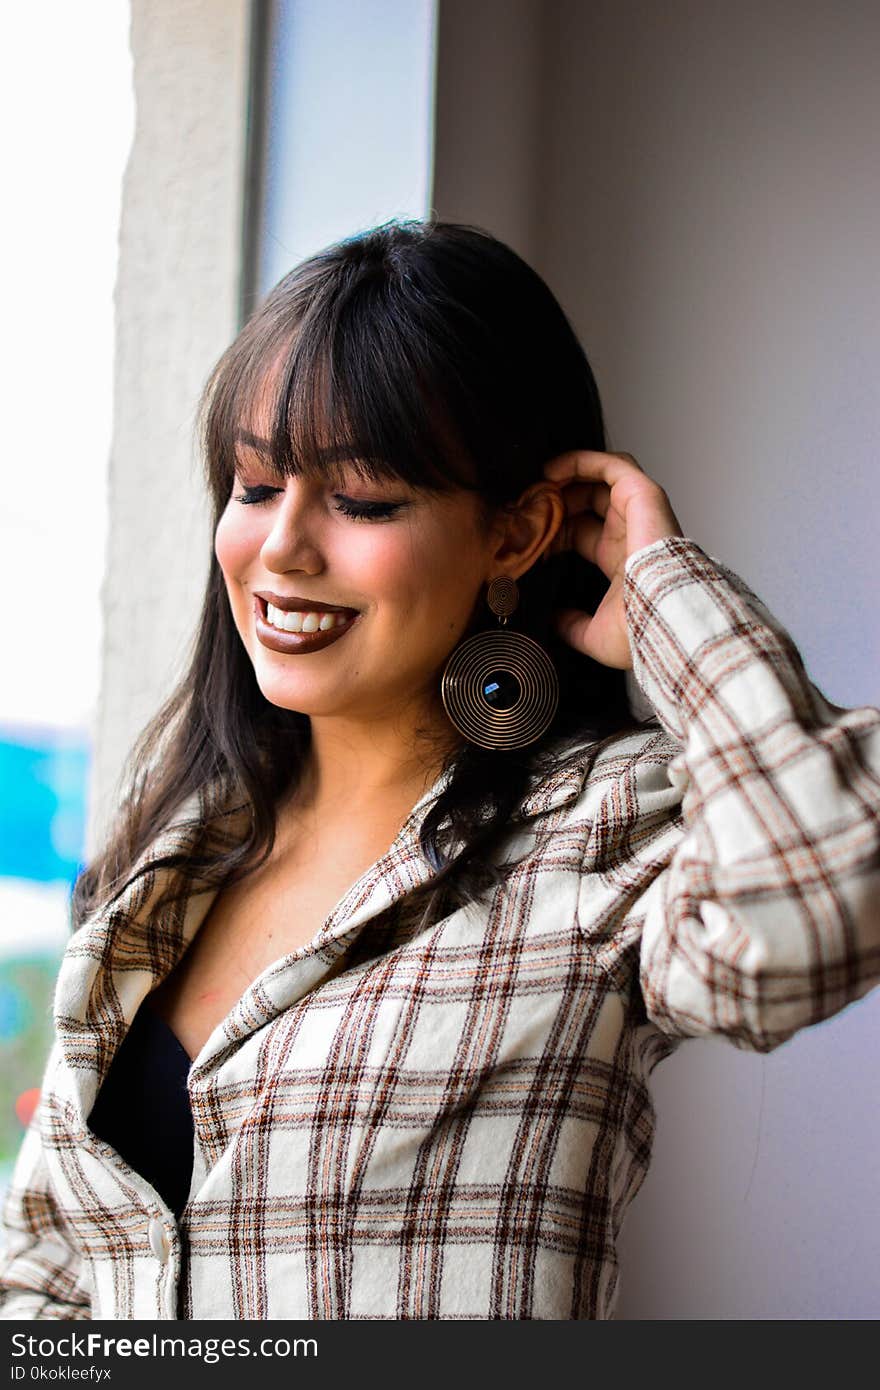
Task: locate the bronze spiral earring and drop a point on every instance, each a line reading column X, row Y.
column 500, row 688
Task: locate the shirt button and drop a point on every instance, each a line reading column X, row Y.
column 159, row 1242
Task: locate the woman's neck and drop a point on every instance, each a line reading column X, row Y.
column 353, row 768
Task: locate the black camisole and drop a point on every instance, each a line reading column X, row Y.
column 143, row 1108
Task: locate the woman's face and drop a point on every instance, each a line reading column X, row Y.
column 406, row 566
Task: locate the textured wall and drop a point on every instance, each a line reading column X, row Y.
column 175, row 312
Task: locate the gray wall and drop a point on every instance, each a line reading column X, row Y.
column 489, row 135
column 705, row 201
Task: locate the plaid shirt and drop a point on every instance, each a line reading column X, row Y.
column 451, row 1122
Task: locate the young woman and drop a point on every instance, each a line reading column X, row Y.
column 404, row 903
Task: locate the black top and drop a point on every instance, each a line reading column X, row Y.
column 143, row 1108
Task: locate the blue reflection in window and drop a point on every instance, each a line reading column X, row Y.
column 43, row 774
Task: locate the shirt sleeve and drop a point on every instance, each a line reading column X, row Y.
column 40, row 1270
column 766, row 918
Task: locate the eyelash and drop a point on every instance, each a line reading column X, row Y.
column 358, row 511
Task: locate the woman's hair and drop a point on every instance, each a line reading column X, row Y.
column 431, row 353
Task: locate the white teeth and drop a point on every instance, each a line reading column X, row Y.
column 312, row 621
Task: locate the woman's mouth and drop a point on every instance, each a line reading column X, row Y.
column 306, row 630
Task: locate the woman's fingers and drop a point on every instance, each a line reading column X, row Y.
column 585, row 533
column 580, row 531
column 579, row 497
column 601, row 498
column 590, row 465
column 636, row 509
column 601, row 635
column 612, row 509
column 576, row 495
column 572, row 625
column 586, row 505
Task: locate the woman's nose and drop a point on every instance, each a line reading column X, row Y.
column 293, row 543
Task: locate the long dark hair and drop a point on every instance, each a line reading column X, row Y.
column 447, row 361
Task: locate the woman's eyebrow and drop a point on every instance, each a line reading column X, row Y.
column 252, row 441
column 337, row 453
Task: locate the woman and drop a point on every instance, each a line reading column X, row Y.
column 404, row 904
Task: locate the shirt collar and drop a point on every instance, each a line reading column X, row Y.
column 546, row 790
column 563, row 784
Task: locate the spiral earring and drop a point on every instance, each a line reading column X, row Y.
column 500, row 688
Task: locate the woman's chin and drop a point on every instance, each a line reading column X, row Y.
column 315, row 698
column 300, row 701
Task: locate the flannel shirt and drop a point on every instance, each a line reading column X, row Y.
column 452, row 1122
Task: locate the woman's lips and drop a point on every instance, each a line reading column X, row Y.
column 295, row 642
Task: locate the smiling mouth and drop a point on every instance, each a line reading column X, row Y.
column 300, row 631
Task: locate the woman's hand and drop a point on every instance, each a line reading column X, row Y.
column 612, row 509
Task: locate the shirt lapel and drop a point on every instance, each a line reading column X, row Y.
column 118, row 955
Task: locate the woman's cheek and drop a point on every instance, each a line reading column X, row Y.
column 378, row 563
column 233, row 543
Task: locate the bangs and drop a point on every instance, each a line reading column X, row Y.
column 351, row 386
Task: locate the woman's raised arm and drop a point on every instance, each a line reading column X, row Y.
column 767, row 918
column 761, row 915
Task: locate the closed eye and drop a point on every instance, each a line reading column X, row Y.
column 251, row 495
column 348, row 506
column 366, row 511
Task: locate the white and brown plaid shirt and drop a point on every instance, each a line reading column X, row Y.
column 452, row 1123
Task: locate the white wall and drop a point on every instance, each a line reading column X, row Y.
column 711, row 204
column 66, row 118
column 705, row 201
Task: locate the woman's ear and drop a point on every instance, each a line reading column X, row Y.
column 528, row 527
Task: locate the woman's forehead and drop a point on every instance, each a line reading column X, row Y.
column 296, row 417
column 264, row 423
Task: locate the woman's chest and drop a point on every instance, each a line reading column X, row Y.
column 251, row 924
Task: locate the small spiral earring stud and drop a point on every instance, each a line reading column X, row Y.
column 500, row 688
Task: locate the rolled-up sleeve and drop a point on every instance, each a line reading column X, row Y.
column 767, row 917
